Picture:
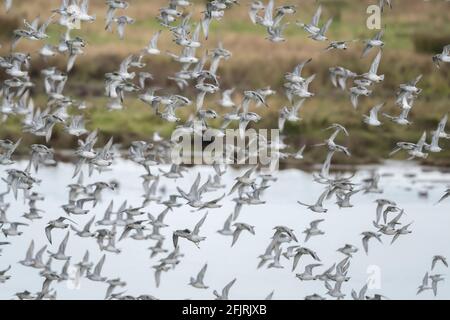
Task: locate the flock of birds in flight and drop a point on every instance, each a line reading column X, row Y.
column 133, row 222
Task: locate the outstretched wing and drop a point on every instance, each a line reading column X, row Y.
column 376, row 63
column 199, row 224
column 316, row 17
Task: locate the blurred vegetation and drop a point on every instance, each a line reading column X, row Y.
column 430, row 43
column 414, row 32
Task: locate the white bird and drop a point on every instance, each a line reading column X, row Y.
column 239, row 227
column 313, row 230
column 372, row 75
column 96, row 275
column 438, row 258
column 198, row 282
column 226, row 229
column 372, row 118
column 225, row 291
column 373, row 43
column 442, row 57
column 318, row 206
column 8, row 4
column 227, row 101
column 289, row 114
column 152, row 48
column 60, row 254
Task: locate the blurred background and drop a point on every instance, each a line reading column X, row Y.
column 415, row 30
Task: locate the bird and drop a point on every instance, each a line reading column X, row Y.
column 337, row 45
column 313, row 26
column 226, row 230
column 443, row 57
column 299, row 252
column 192, row 236
column 8, row 5
column 61, row 253
column 438, row 258
column 198, row 282
column 372, row 74
column 313, row 230
column 348, row 250
column 424, row 286
column 56, row 224
column 372, row 118
column 361, row 295
column 255, row 8
column 152, row 48
column 225, row 291
column 435, row 279
column 3, row 276
column 375, row 42
column 239, row 227
column 226, row 101
column 383, row 3
column 299, row 154
column 367, row 235
column 289, row 114
column 121, row 22
column 29, row 258
column 113, row 283
column 318, row 206
column 335, row 291
column 96, row 275
column 55, row 111
column 320, row 35
column 307, row 274
column 339, row 76
column 85, row 232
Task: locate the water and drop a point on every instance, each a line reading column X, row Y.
column 397, row 269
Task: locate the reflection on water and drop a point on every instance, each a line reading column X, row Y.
column 393, row 270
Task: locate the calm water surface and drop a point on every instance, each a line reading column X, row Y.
column 398, row 269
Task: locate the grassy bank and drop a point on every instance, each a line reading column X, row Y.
column 411, row 39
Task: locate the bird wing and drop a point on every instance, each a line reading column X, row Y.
column 375, row 63
column 154, row 40
column 315, row 223
column 62, row 246
column 365, row 242
column 379, row 35
column 421, row 141
column 202, row 272
column 88, row 225
column 298, row 69
column 175, row 239
column 48, row 233
column 442, row 123
column 99, row 266
column 298, row 105
column 316, row 17
column 236, row 234
column 374, row 111
column 227, row 288
column 268, row 11
column 199, row 224
column 326, row 26
column 296, row 260
column 281, row 121
column 29, row 254
column 425, row 280
column 446, row 50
